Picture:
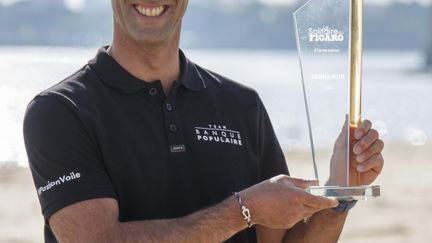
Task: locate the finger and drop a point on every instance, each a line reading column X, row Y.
column 308, row 215
column 277, row 178
column 308, row 212
column 363, row 129
column 345, row 126
column 376, row 148
column 366, row 141
column 375, row 163
column 318, row 202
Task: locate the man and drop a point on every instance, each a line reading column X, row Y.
column 142, row 145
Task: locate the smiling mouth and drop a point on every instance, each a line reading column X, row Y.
column 150, row 11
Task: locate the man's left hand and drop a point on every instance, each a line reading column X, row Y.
column 367, row 151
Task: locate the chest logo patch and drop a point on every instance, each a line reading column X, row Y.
column 218, row 134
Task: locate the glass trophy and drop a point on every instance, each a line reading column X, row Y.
column 329, row 43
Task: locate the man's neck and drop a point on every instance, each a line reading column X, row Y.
column 148, row 62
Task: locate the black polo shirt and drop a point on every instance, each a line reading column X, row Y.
column 104, row 133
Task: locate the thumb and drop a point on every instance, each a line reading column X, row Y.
column 343, row 135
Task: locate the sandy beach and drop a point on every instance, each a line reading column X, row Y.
column 402, row 214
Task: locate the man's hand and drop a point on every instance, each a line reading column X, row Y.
column 368, row 160
column 278, row 203
column 281, row 202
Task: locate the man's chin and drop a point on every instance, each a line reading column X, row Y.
column 146, row 41
column 148, row 37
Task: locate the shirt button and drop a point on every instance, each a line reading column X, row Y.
column 173, row 128
column 168, row 106
column 153, row 91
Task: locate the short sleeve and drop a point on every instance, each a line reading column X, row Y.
column 272, row 159
column 64, row 159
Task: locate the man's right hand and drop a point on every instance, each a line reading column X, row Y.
column 278, row 203
column 281, row 202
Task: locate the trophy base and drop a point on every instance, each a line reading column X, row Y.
column 346, row 193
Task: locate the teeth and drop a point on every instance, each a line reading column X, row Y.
column 150, row 12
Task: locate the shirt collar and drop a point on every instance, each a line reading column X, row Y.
column 190, row 77
column 112, row 73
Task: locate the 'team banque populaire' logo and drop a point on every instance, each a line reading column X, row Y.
column 325, row 34
column 218, row 134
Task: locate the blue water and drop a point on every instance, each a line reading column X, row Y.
column 397, row 97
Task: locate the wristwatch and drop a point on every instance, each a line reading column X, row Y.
column 345, row 206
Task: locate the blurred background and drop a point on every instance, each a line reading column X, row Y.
column 253, row 42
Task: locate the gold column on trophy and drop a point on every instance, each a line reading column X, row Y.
column 356, row 50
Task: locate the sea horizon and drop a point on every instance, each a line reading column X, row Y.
column 396, row 91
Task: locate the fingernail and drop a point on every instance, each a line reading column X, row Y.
column 335, row 203
column 360, row 168
column 358, row 134
column 357, row 150
column 360, row 158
